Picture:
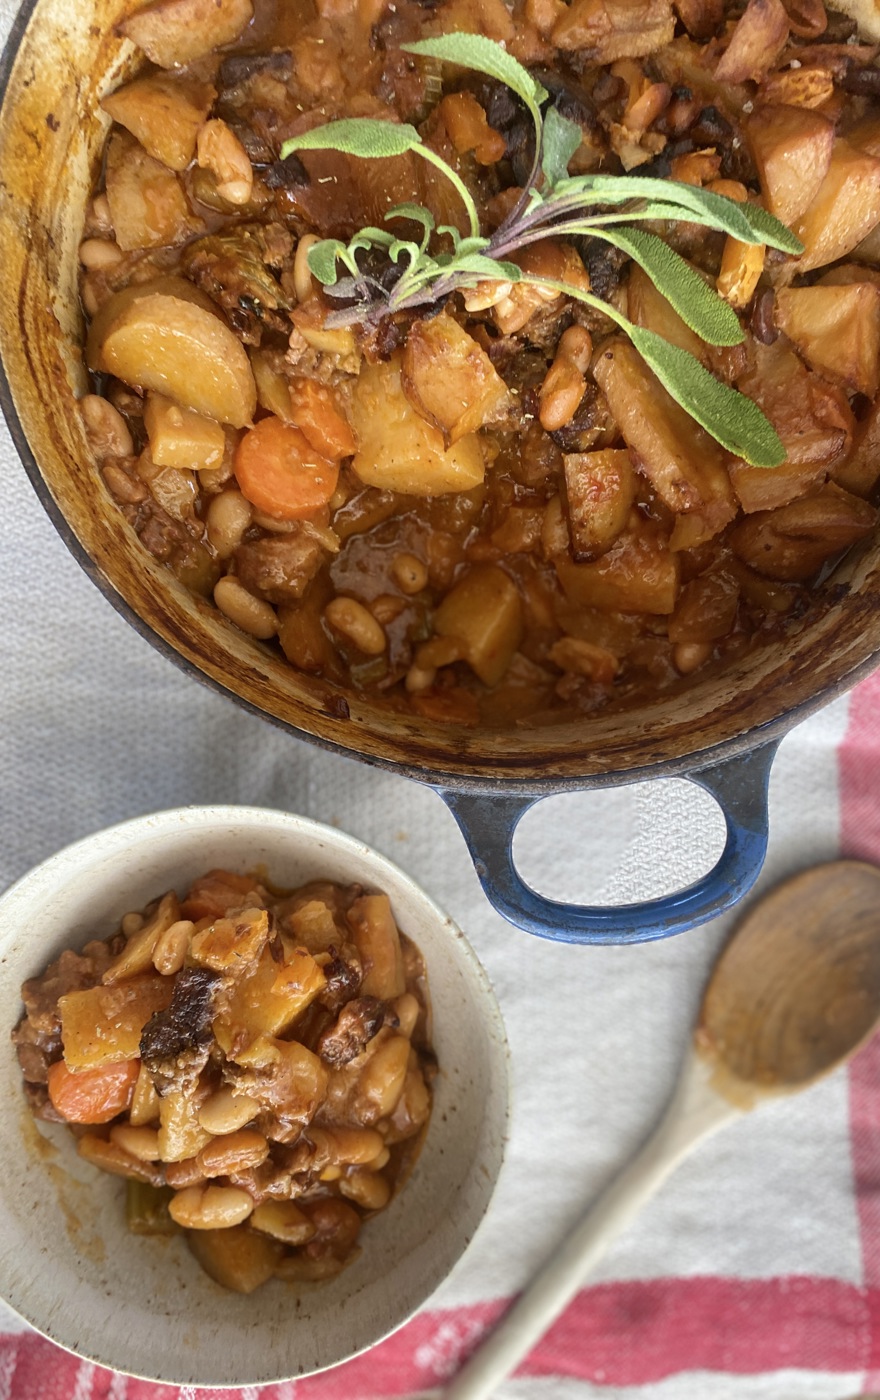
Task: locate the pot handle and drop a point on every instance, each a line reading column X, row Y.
column 739, row 785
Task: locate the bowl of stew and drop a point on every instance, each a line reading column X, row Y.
column 334, row 1212
column 516, row 566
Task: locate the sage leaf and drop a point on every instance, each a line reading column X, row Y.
column 732, row 419
column 746, row 222
column 322, row 258
column 357, row 136
column 562, row 137
column 418, row 215
column 698, row 305
column 483, row 56
column 371, row 238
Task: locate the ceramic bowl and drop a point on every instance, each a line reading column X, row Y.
column 142, row 1305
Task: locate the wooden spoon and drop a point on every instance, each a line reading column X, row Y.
column 795, row 992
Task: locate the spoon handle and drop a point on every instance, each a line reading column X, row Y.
column 694, row 1112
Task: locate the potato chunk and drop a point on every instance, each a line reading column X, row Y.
column 648, row 307
column 378, row 942
column 236, row 1258
column 811, row 416
column 484, row 613
column 844, row 209
column 450, row 379
column 173, row 32
column 792, row 543
column 792, row 148
column 836, row 329
column 178, row 349
column 181, row 438
column 267, row 1002
column 637, row 575
column 163, row 114
column 600, row 488
column 398, row 450
column 613, row 29
column 682, row 462
column 147, row 203
column 102, row 1024
column 860, row 471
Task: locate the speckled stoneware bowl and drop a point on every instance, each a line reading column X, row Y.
column 142, row 1305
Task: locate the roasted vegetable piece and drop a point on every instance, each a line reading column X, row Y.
column 163, row 114
column 860, row 471
column 146, row 1209
column 613, row 29
column 238, row 1258
column 836, row 329
column 684, row 465
column 315, row 410
column 450, row 379
column 103, row 1024
column 758, row 37
column 178, row 349
column 281, row 473
column 147, row 203
column 811, row 416
column 266, row 1002
column 181, row 438
column 792, row 148
column 600, row 488
column 637, row 575
column 398, row 449
column 174, row 32
column 378, row 943
column 844, row 209
column 92, row 1095
column 793, row 542
column 484, row 614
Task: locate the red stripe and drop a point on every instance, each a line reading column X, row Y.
column 859, row 779
column 614, row 1334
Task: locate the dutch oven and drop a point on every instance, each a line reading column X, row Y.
column 720, row 733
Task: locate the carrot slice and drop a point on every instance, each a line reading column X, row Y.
column 279, row 471
column 92, row 1095
column 314, row 410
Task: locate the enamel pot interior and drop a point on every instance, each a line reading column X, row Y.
column 61, row 59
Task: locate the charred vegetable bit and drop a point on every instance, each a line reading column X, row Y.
column 256, row 1065
column 491, row 365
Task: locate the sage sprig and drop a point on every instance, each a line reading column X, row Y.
column 552, row 203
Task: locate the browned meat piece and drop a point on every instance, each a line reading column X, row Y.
column 355, row 1025
column 72, row 972
column 36, row 1050
column 176, row 1043
column 280, row 568
column 343, row 980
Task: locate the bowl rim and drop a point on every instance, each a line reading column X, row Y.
column 119, row 837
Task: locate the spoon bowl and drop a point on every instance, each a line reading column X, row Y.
column 797, row 989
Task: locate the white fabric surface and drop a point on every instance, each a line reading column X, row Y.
column 97, row 726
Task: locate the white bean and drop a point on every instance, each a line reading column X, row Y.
column 355, row 622
column 227, row 518
column 210, row 1207
column 251, row 614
